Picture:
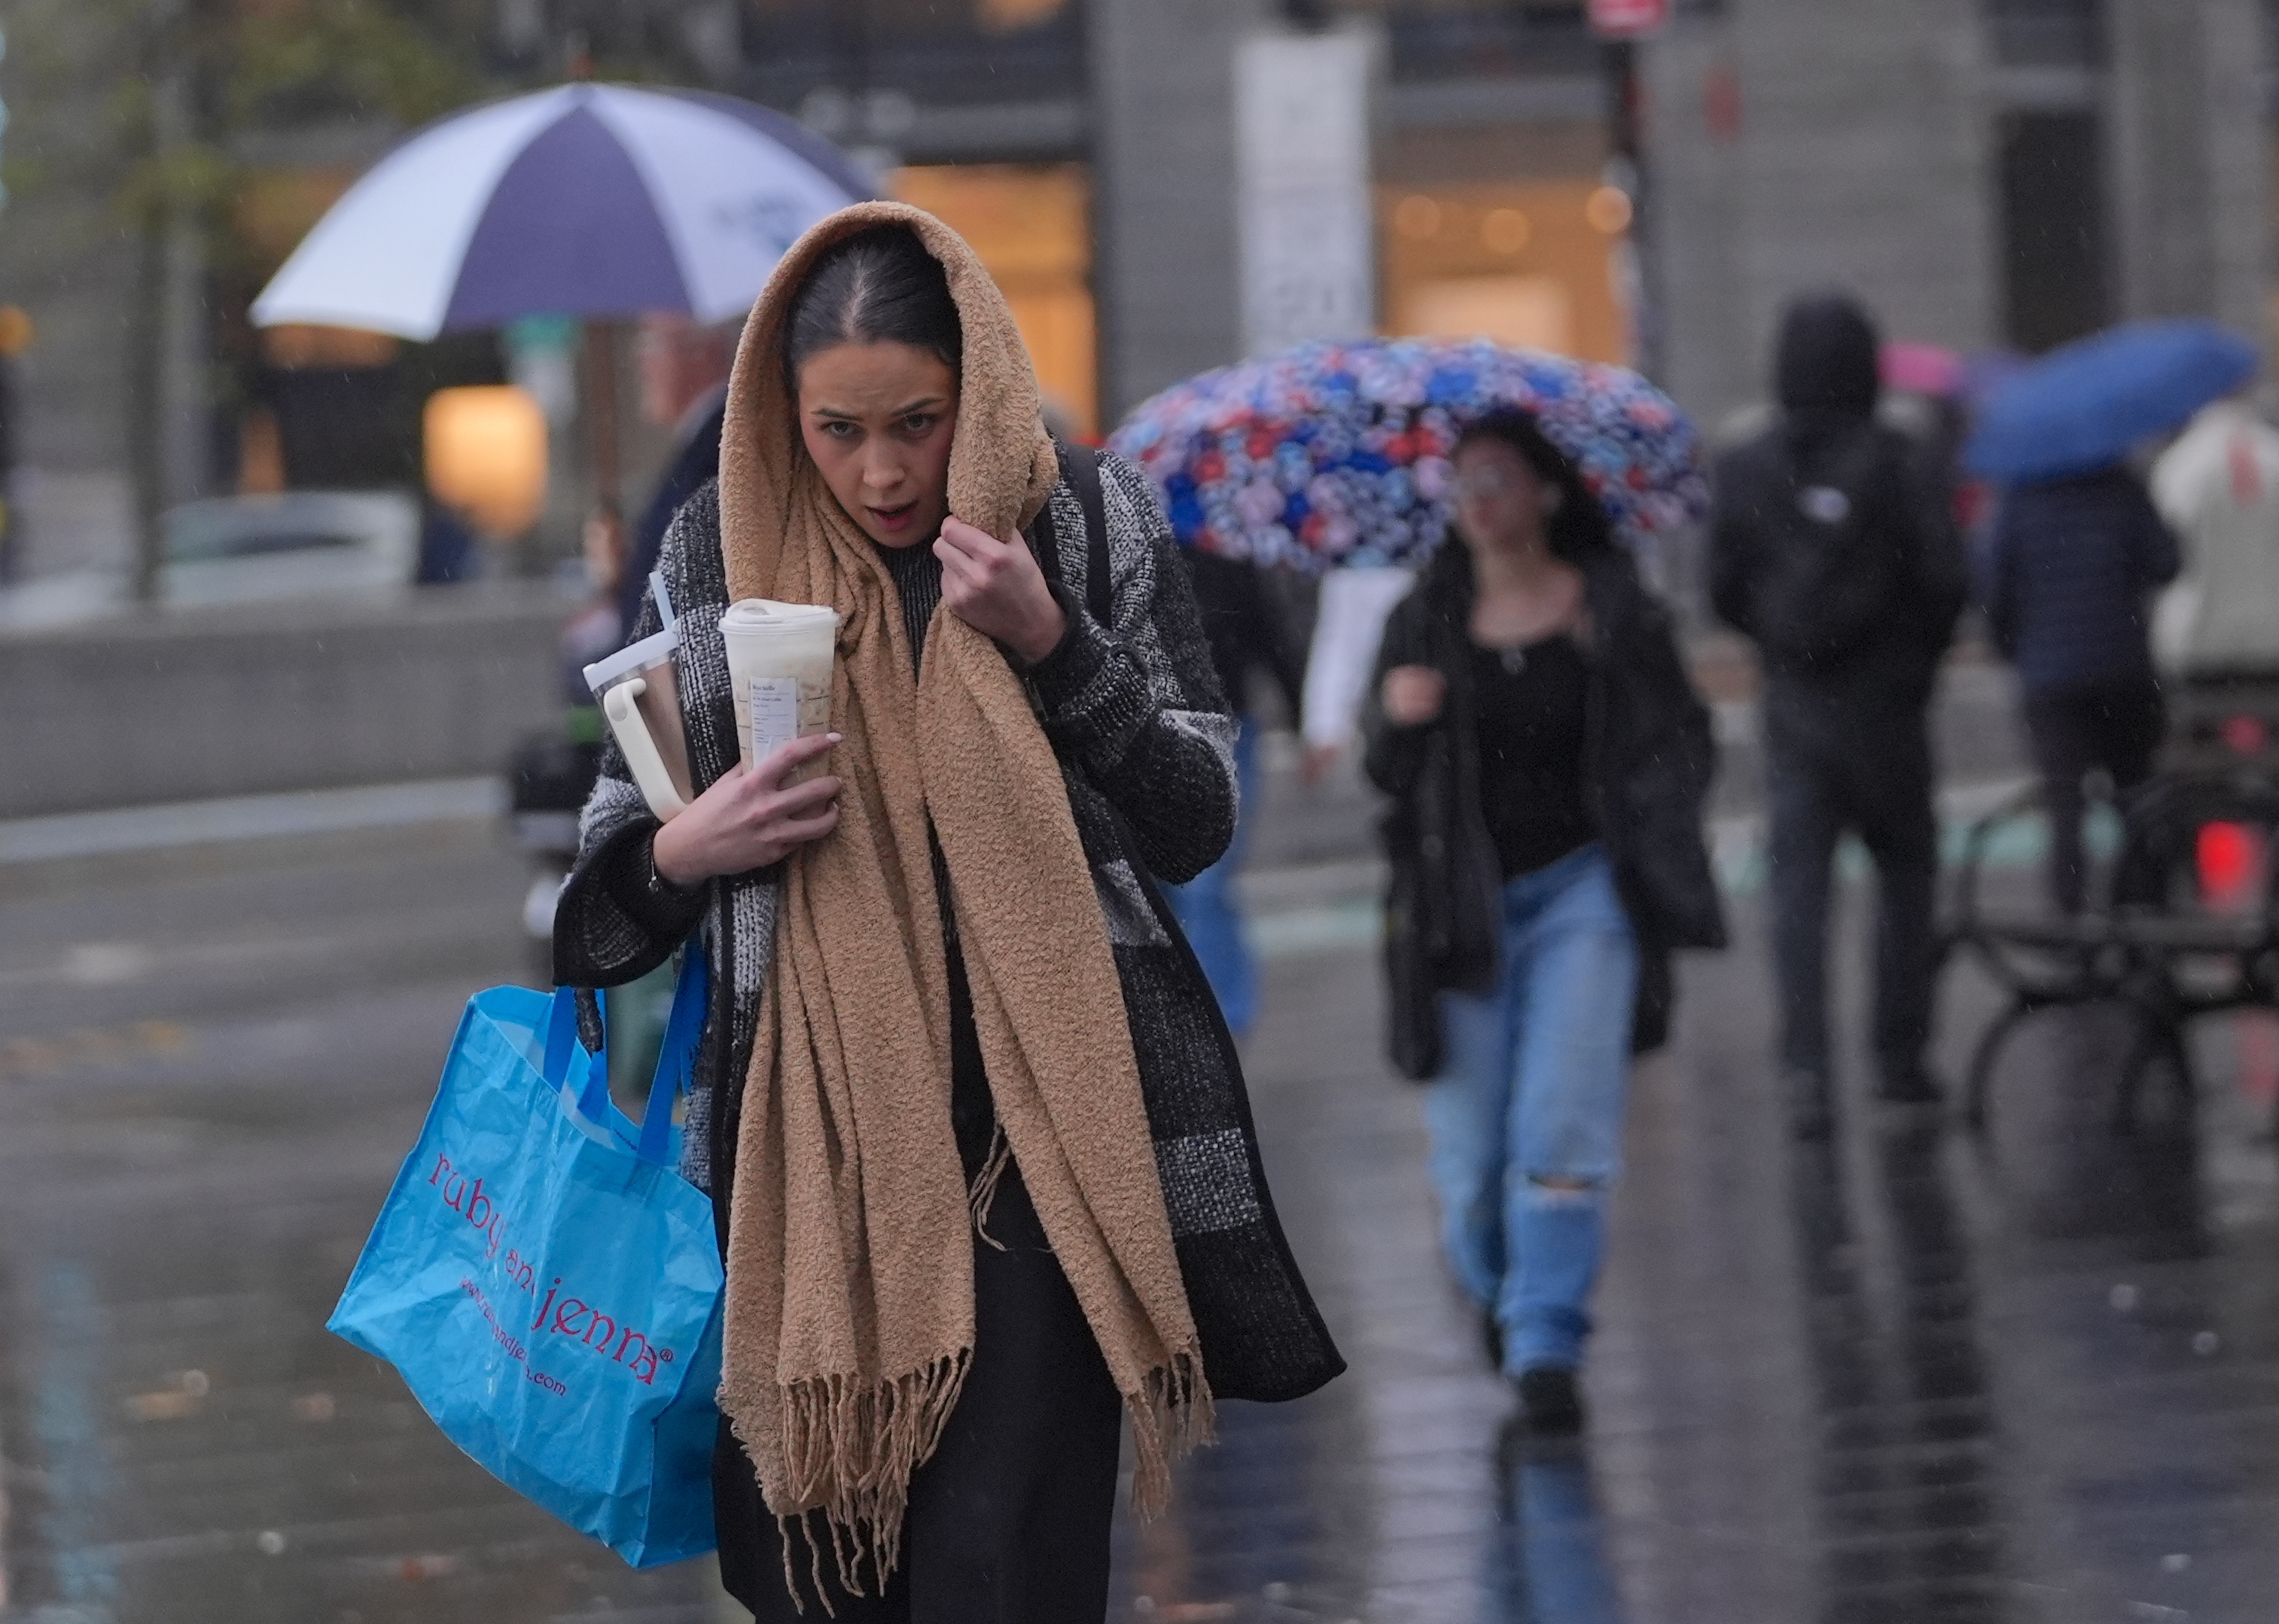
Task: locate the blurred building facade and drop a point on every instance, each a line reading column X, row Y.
column 1985, row 172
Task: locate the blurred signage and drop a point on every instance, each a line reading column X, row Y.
column 1628, row 19
column 1303, row 216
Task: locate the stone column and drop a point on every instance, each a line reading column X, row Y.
column 1165, row 270
column 2190, row 160
column 1797, row 144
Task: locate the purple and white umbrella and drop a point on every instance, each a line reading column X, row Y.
column 595, row 201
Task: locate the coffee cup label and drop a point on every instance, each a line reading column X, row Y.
column 775, row 714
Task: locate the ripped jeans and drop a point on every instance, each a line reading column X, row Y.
column 1526, row 1117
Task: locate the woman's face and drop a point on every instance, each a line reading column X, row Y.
column 1501, row 501
column 877, row 419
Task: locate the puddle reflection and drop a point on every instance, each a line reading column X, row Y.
column 1549, row 1561
column 1908, row 1489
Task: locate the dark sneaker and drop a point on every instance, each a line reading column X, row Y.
column 1549, row 1402
column 1805, row 1095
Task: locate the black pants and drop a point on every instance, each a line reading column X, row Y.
column 1008, row 1522
column 1880, row 788
column 2114, row 725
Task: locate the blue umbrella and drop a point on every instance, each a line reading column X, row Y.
column 597, row 201
column 2082, row 406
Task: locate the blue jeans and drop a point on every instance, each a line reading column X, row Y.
column 1206, row 908
column 1526, row 1117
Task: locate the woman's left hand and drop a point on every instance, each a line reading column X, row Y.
column 995, row 587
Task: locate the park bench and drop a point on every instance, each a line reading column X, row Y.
column 2182, row 920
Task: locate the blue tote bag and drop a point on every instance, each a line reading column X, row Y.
column 547, row 1283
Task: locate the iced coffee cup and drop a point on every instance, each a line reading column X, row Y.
column 779, row 660
column 640, row 697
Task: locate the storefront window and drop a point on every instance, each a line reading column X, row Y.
column 1526, row 262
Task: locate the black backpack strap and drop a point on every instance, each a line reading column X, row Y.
column 1080, row 467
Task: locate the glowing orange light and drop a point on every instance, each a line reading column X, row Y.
column 486, row 454
column 1417, row 216
column 1608, row 208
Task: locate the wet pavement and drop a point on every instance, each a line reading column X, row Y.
column 1920, row 1376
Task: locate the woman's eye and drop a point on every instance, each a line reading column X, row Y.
column 918, row 423
column 839, row 431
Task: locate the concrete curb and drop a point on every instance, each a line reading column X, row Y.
column 250, row 817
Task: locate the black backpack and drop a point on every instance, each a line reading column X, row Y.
column 1828, row 572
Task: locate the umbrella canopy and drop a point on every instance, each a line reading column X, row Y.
column 595, row 200
column 2083, row 405
column 1337, row 453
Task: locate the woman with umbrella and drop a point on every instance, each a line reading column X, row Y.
column 1548, row 758
column 979, row 1148
column 2077, row 551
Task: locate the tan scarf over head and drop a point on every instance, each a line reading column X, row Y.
column 849, row 1317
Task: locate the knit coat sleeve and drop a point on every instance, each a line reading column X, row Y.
column 616, row 919
column 1135, row 704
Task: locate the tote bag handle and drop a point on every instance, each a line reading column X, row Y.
column 676, row 1055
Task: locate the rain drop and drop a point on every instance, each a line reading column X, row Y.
column 2206, row 1342
column 2123, row 1299
column 270, row 1542
column 2175, row 1563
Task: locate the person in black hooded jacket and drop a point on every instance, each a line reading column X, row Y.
column 1831, row 548
column 1547, row 759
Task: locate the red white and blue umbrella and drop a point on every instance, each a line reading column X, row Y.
column 1337, row 454
column 595, row 200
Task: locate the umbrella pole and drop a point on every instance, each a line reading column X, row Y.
column 604, row 537
column 601, row 359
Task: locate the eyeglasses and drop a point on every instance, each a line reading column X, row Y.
column 1484, row 482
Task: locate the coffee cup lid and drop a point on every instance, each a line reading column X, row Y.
column 765, row 615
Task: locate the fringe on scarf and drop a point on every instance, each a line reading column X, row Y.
column 866, row 1438
column 984, row 1193
column 826, row 1419
column 1171, row 1415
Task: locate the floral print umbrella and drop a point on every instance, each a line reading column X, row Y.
column 1337, row 453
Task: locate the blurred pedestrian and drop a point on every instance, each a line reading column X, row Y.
column 2066, row 578
column 684, row 378
column 1249, row 636
column 2218, row 489
column 948, row 1019
column 1548, row 759
column 1833, row 550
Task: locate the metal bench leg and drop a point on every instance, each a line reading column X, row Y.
column 2159, row 1035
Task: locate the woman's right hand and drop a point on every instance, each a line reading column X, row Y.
column 749, row 817
column 1413, row 695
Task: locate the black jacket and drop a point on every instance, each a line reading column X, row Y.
column 1832, row 546
column 2069, row 577
column 1649, row 757
column 1246, row 630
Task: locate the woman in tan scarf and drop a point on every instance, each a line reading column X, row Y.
column 961, row 1205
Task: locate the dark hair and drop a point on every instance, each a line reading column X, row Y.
column 880, row 286
column 1579, row 526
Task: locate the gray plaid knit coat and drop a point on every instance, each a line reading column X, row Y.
column 1145, row 748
